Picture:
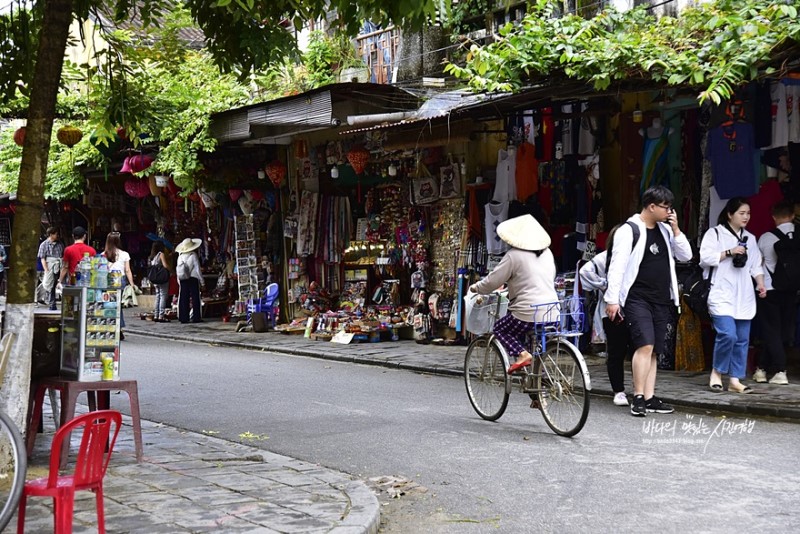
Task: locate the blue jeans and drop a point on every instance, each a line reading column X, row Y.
column 730, row 345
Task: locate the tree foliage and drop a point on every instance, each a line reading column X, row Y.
column 714, row 47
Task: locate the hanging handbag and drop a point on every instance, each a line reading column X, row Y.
column 424, row 187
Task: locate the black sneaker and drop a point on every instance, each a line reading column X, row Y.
column 638, row 407
column 656, row 405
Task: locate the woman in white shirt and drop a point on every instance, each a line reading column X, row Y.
column 731, row 301
column 118, row 260
column 190, row 279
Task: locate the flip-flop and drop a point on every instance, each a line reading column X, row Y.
column 716, row 388
column 517, row 366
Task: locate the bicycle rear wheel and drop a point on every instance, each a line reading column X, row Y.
column 488, row 384
column 12, row 476
column 561, row 389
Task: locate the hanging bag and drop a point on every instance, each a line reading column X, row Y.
column 424, row 187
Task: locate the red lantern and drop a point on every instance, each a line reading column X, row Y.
column 256, row 195
column 276, row 171
column 69, row 136
column 235, row 194
column 19, row 136
column 358, row 158
column 137, row 188
column 122, row 133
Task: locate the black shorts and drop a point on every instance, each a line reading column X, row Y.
column 647, row 323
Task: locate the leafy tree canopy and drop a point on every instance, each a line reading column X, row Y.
column 715, row 47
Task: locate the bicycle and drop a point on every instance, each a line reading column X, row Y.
column 12, row 477
column 558, row 382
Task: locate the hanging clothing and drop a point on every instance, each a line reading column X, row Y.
column 495, row 214
column 731, row 152
column 505, row 188
column 655, row 169
column 527, row 172
column 780, row 116
column 307, row 223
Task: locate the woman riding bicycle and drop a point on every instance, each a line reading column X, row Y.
column 529, row 269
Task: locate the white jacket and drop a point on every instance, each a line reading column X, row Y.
column 625, row 262
column 593, row 278
column 731, row 293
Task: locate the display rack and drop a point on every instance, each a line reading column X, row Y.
column 90, row 324
column 246, row 261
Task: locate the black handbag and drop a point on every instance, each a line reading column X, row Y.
column 157, row 274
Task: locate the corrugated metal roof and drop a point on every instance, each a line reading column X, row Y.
column 312, row 110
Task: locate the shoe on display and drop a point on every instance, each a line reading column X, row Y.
column 638, row 407
column 656, row 405
column 779, row 379
column 760, row 375
column 620, row 399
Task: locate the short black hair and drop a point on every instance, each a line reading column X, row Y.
column 657, row 195
column 51, row 230
column 784, row 208
column 731, row 207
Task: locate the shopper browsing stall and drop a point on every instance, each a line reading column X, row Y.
column 190, row 279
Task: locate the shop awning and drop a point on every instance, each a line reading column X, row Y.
column 276, row 121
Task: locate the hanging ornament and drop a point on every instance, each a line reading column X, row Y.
column 276, row 171
column 358, row 158
column 140, row 162
column 300, row 149
column 137, row 188
column 19, row 136
column 69, row 135
column 235, row 194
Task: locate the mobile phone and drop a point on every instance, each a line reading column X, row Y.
column 619, row 317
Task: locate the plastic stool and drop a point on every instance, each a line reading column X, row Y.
column 70, row 390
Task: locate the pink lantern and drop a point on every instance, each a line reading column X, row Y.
column 140, row 162
column 137, row 188
column 276, row 171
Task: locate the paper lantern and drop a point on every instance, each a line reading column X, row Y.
column 108, row 148
column 69, row 135
column 19, row 136
column 140, row 162
column 256, row 195
column 137, row 188
column 276, row 171
column 358, row 158
column 235, row 194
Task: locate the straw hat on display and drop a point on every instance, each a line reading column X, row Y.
column 524, row 232
column 188, row 245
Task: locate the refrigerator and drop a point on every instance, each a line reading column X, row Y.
column 89, row 332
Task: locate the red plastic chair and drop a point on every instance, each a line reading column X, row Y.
column 91, row 463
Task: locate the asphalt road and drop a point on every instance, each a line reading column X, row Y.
column 689, row 471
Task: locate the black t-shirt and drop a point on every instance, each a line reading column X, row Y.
column 653, row 282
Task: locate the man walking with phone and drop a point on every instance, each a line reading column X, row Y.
column 642, row 286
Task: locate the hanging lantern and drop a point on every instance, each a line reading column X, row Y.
column 122, row 133
column 256, row 195
column 19, row 136
column 106, row 149
column 276, row 171
column 137, row 188
column 358, row 158
column 140, row 162
column 235, row 194
column 69, row 135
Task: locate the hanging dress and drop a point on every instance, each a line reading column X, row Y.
column 655, row 170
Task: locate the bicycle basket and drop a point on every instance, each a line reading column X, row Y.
column 564, row 317
column 481, row 311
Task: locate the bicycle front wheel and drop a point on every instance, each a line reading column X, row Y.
column 488, row 383
column 561, row 389
column 12, row 471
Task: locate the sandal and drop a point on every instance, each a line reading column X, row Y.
column 519, row 365
column 741, row 389
column 716, row 388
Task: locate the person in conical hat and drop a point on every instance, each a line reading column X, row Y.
column 190, row 279
column 529, row 271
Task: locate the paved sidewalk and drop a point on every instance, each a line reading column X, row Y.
column 679, row 388
column 192, row 482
